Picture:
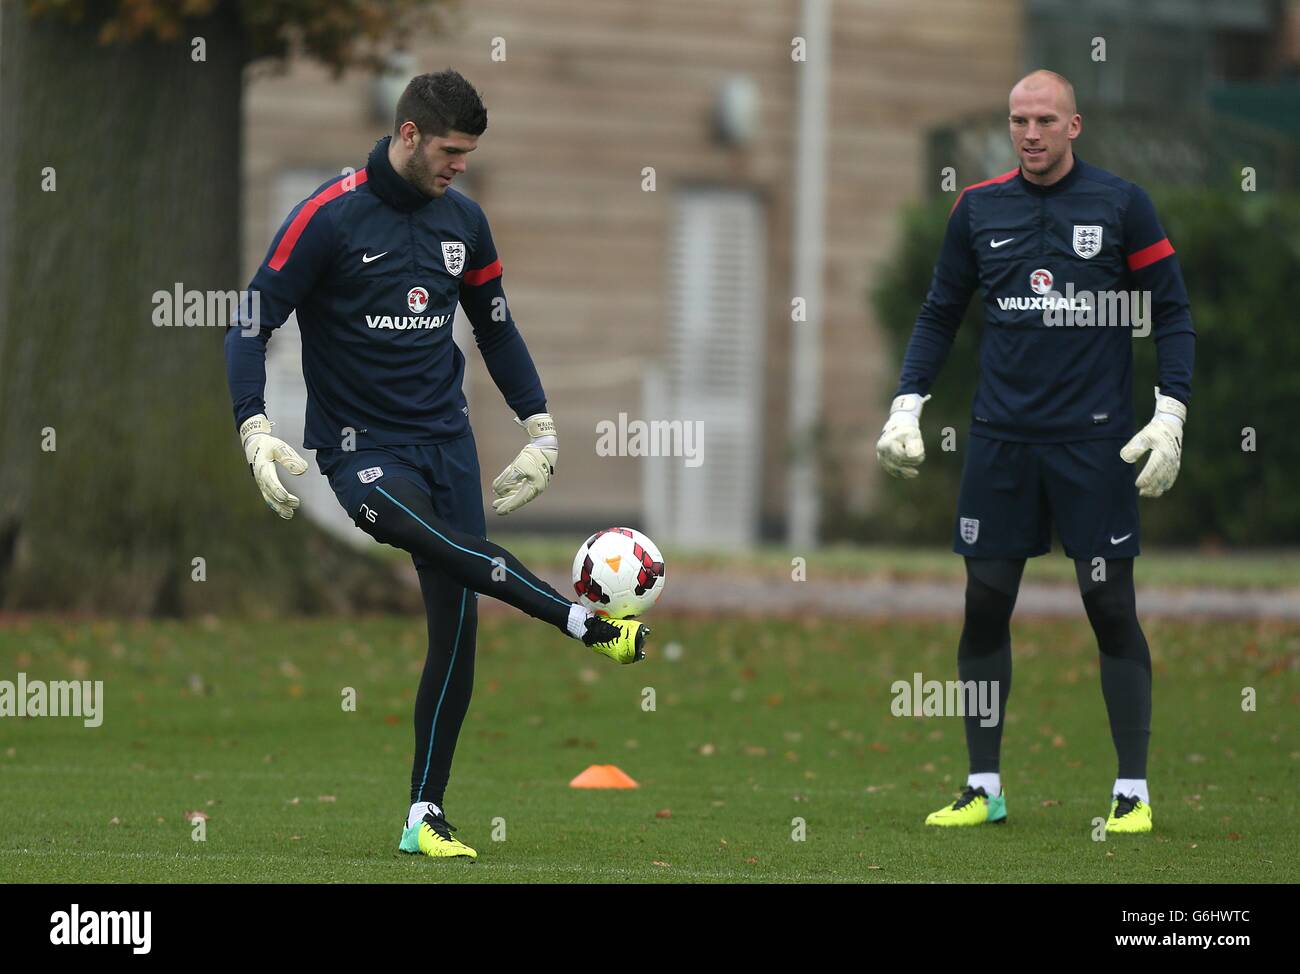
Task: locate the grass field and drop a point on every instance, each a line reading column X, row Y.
column 757, row 723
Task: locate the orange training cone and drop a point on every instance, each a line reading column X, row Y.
column 603, row 776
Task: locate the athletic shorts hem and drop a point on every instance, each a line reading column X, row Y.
column 1124, row 552
column 1006, row 553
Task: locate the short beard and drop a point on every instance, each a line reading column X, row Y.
column 1048, row 163
column 417, row 173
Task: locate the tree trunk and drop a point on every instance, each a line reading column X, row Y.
column 119, row 462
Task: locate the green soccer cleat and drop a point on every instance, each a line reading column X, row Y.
column 622, row 640
column 1128, row 814
column 974, row 807
column 431, row 836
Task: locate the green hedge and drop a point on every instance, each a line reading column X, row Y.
column 1240, row 254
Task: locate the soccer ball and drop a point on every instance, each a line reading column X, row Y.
column 618, row 573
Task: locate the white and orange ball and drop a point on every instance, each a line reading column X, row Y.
column 618, row 572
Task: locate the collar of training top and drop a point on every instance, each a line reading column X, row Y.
column 387, row 184
column 1061, row 184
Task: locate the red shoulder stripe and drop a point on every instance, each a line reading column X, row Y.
column 299, row 224
column 988, row 182
column 484, row 274
column 1149, row 255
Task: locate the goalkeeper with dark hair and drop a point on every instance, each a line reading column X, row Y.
column 374, row 263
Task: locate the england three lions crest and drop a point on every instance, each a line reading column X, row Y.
column 1087, row 241
column 453, row 255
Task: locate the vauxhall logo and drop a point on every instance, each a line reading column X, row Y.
column 417, row 299
column 407, row 322
column 1040, row 282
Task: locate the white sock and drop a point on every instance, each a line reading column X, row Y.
column 1132, row 786
column 990, row 781
column 419, row 810
column 578, row 617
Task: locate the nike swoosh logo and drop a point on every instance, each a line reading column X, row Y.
column 366, row 258
column 995, row 244
column 1118, row 540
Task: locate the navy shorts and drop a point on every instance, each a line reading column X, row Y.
column 1013, row 493
column 448, row 472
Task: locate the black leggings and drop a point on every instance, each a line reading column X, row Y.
column 400, row 514
column 984, row 653
column 445, row 684
column 1111, row 603
column 454, row 567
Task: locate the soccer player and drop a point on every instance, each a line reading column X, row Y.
column 375, row 263
column 1052, row 430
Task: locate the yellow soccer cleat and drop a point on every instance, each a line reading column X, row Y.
column 431, row 836
column 622, row 640
column 974, row 807
column 1128, row 814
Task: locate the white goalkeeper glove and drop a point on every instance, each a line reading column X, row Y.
column 1163, row 437
column 530, row 472
column 264, row 451
column 900, row 448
